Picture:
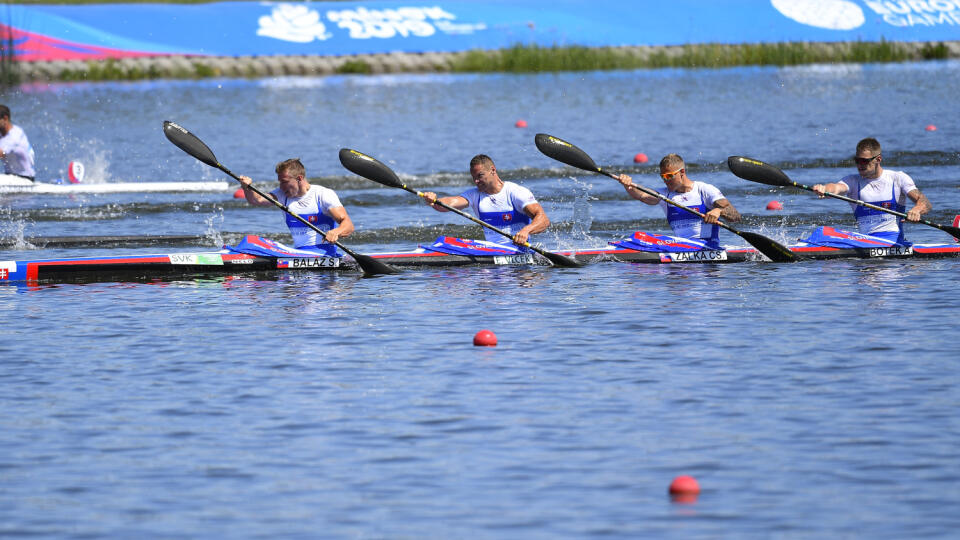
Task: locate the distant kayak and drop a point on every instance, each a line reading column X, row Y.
column 10, row 183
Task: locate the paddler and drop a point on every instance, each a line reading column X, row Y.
column 700, row 196
column 505, row 205
column 317, row 204
column 15, row 150
column 880, row 187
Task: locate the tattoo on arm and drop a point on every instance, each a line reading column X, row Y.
column 729, row 212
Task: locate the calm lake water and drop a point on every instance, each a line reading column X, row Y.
column 810, row 400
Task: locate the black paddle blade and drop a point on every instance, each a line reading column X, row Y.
column 564, row 152
column 954, row 231
column 369, row 168
column 373, row 267
column 758, row 171
column 189, row 143
column 560, row 260
column 775, row 251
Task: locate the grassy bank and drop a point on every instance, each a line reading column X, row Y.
column 517, row 59
column 536, row 59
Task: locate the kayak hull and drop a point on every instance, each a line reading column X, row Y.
column 224, row 263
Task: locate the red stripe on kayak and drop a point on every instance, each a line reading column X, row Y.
column 944, row 249
column 122, row 260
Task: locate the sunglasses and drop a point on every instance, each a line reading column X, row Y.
column 670, row 175
column 865, row 161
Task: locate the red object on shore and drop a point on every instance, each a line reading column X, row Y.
column 485, row 338
column 774, row 205
column 640, row 158
column 521, row 123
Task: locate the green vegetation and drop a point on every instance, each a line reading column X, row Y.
column 524, row 58
column 355, row 66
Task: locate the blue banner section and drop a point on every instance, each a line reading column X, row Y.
column 49, row 32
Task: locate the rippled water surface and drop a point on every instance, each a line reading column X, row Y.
column 810, row 400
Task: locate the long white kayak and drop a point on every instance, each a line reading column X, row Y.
column 15, row 184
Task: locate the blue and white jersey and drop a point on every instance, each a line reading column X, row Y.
column 314, row 207
column 701, row 198
column 17, row 153
column 503, row 210
column 889, row 190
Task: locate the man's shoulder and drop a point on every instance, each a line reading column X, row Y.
column 895, row 175
column 705, row 187
column 703, row 184
column 514, row 187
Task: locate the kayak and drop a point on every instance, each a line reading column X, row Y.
column 227, row 262
column 17, row 184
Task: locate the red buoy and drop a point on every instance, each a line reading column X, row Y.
column 640, row 158
column 521, row 123
column 774, row 205
column 485, row 338
column 931, row 127
column 684, row 489
column 238, row 194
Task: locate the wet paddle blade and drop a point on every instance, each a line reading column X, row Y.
column 189, row 143
column 758, row 171
column 564, row 152
column 954, row 231
column 775, row 251
column 369, row 168
column 560, row 260
column 373, row 267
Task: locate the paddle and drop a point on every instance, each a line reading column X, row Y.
column 189, row 143
column 565, row 152
column 764, row 173
column 371, row 169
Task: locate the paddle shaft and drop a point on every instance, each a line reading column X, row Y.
column 191, row 144
column 653, row 193
column 568, row 153
column 441, row 204
column 946, row 228
column 283, row 207
column 366, row 262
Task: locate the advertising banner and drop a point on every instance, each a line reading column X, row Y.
column 77, row 32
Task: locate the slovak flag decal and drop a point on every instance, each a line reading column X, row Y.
column 283, row 263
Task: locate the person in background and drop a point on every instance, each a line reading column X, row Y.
column 316, row 204
column 15, row 150
column 880, row 187
column 505, row 205
column 700, row 196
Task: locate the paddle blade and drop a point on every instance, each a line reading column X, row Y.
column 189, row 143
column 954, row 231
column 369, row 168
column 564, row 152
column 775, row 251
column 373, row 267
column 560, row 260
column 757, row 171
